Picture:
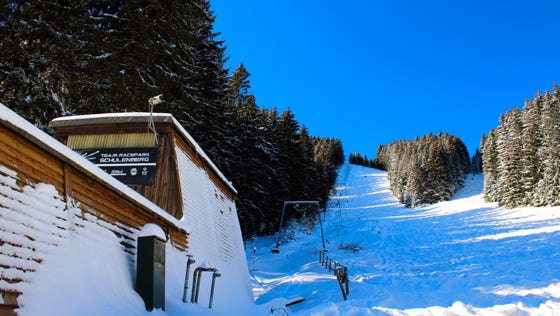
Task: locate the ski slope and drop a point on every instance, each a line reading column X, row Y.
column 461, row 257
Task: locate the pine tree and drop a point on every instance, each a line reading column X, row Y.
column 381, row 158
column 287, row 130
column 413, row 190
column 329, row 154
column 310, row 173
column 521, row 158
column 549, row 184
column 106, row 56
column 425, row 170
column 531, row 140
column 490, row 166
column 438, row 172
column 238, row 87
column 476, row 162
column 34, row 43
column 510, row 185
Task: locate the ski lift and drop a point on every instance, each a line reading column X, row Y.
column 276, row 249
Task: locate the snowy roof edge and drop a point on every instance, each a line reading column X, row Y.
column 17, row 123
column 140, row 117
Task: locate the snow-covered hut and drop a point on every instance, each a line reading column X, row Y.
column 184, row 182
column 48, row 192
column 50, row 195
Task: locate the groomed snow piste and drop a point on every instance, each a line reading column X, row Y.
column 461, row 257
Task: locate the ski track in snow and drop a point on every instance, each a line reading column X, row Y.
column 461, row 257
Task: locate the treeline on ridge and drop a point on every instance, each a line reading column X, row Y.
column 521, row 157
column 83, row 57
column 424, row 170
column 356, row 158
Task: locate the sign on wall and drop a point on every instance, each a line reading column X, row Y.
column 133, row 166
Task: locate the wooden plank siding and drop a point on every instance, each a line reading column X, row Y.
column 34, row 166
column 165, row 191
column 26, row 162
column 138, row 123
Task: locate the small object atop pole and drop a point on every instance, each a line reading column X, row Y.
column 152, row 102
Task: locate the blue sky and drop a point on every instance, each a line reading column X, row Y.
column 370, row 72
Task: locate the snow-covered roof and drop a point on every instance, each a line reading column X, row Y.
column 17, row 123
column 140, row 117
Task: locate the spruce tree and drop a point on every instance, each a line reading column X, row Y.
column 490, row 166
column 521, row 158
column 414, row 189
column 476, row 162
column 238, row 87
column 381, row 158
column 107, row 56
column 425, row 170
column 437, row 171
column 287, row 130
column 549, row 184
column 530, row 163
column 510, row 185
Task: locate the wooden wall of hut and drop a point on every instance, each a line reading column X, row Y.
column 165, row 191
column 26, row 163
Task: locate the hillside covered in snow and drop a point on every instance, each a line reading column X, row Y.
column 461, row 257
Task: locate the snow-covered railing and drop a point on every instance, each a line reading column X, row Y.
column 340, row 271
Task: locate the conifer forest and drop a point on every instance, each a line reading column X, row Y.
column 60, row 58
column 521, row 157
column 424, row 170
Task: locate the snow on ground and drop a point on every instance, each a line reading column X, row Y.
column 461, row 257
column 88, row 273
